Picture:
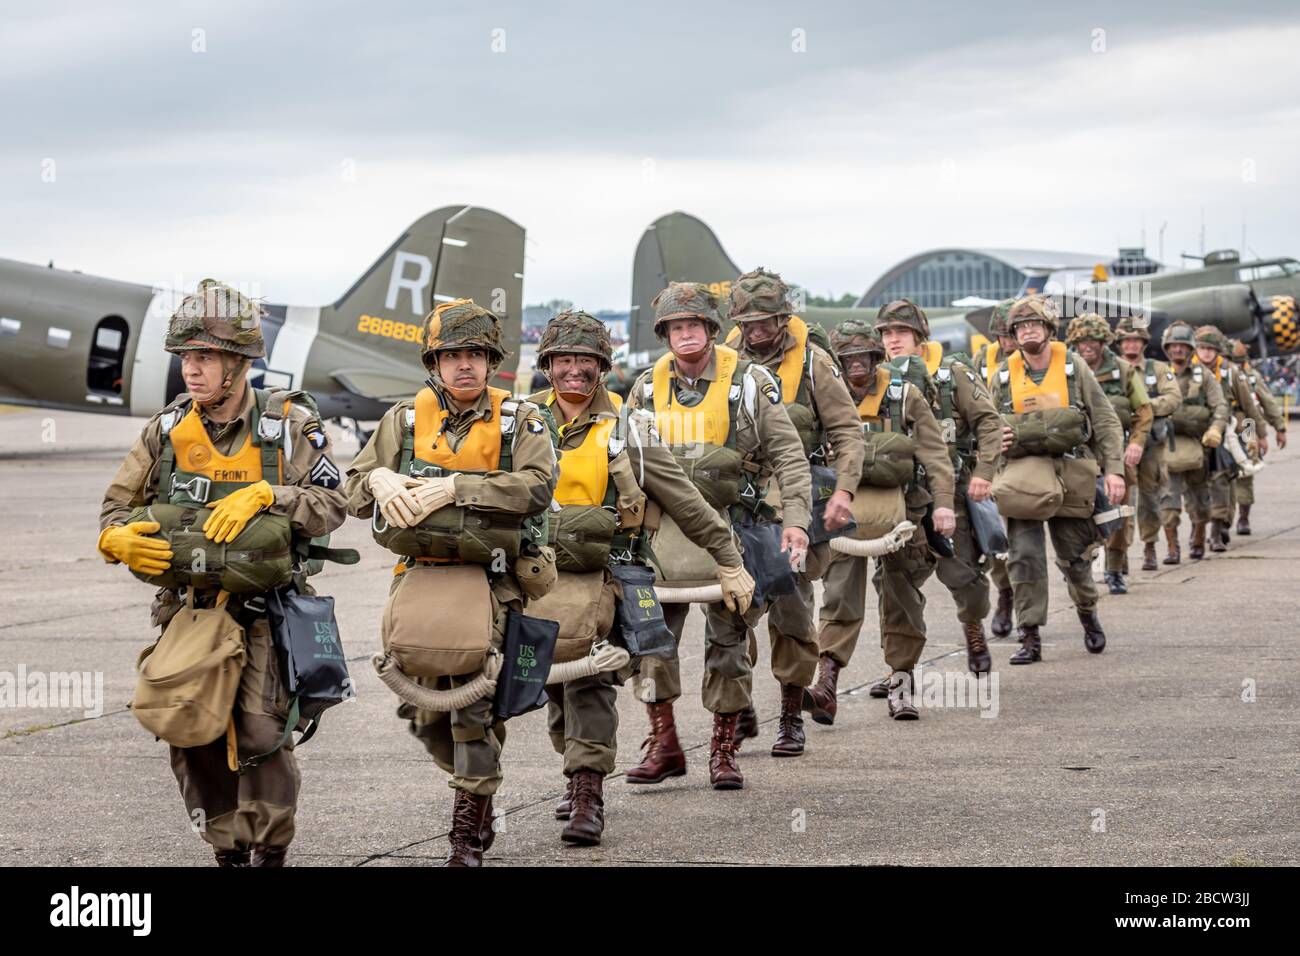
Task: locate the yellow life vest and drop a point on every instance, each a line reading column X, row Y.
column 481, row 449
column 1029, row 396
column 790, row 371
column 990, row 363
column 584, row 471
column 869, row 407
column 198, row 463
column 708, row 422
column 932, row 352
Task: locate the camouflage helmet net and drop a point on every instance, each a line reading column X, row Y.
column 575, row 332
column 461, row 324
column 1178, row 333
column 686, row 300
column 758, row 295
column 998, row 318
column 1090, row 325
column 856, row 337
column 1125, row 329
column 1031, row 307
column 906, row 314
column 215, row 316
column 1240, row 353
column 1210, row 336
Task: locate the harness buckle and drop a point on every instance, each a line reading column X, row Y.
column 270, row 428
column 198, row 488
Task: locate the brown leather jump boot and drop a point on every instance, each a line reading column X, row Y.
column 746, row 726
column 789, row 728
column 1174, row 554
column 587, row 822
column 565, row 806
column 977, row 648
column 1149, row 556
column 723, row 772
column 664, row 757
column 231, row 859
column 1001, row 623
column 263, row 855
column 467, row 815
column 820, row 699
column 1031, row 646
column 1243, row 519
column 1218, row 536
column 1196, row 550
column 1094, row 638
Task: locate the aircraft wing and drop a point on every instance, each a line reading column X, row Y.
column 377, row 386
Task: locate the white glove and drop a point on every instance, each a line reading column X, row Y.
column 394, row 496
column 737, row 588
column 433, row 493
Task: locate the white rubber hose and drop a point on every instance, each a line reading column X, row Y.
column 603, row 657
column 876, row 547
column 704, row 594
column 426, row 698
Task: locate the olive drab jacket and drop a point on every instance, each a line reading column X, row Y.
column 762, row 431
column 310, row 495
column 650, row 464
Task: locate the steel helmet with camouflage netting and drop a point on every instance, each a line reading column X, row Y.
column 856, row 337
column 1090, row 325
column 1240, row 351
column 904, row 314
column 1125, row 329
column 998, row 319
column 1177, row 333
column 574, row 332
column 461, row 324
column 686, row 300
column 1209, row 336
column 217, row 317
column 759, row 294
column 1034, row 307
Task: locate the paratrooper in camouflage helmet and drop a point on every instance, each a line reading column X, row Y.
column 686, row 300
column 906, row 314
column 1090, row 325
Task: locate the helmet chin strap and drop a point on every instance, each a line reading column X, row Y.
column 232, row 373
column 465, row 395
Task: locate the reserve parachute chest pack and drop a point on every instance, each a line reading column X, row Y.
column 456, row 534
column 1047, row 417
column 890, row 453
column 1193, row 416
column 1113, row 383
column 192, row 474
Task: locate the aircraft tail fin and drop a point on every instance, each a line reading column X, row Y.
column 456, row 252
column 677, row 247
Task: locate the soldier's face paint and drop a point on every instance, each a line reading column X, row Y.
column 859, row 368
column 1131, row 348
column 899, row 340
column 574, row 375
column 760, row 333
column 688, row 338
column 1091, row 350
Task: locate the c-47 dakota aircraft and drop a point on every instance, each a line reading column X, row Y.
column 81, row 343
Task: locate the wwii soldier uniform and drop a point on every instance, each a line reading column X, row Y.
column 1271, row 410
column 969, row 423
column 1246, row 416
column 1083, row 419
column 729, row 430
column 887, row 406
column 1123, row 385
column 1152, row 477
column 986, row 362
column 272, row 456
column 1202, row 417
column 474, row 448
column 823, row 414
column 610, row 461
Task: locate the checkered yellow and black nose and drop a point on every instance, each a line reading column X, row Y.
column 1286, row 327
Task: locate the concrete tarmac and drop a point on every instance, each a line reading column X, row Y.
column 1177, row 746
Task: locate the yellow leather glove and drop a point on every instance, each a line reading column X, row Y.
column 737, row 588
column 1213, row 437
column 231, row 513
column 129, row 544
column 393, row 493
column 433, row 493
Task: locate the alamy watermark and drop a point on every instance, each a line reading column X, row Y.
column 59, row 690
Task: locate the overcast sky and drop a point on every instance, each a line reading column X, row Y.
column 824, row 140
